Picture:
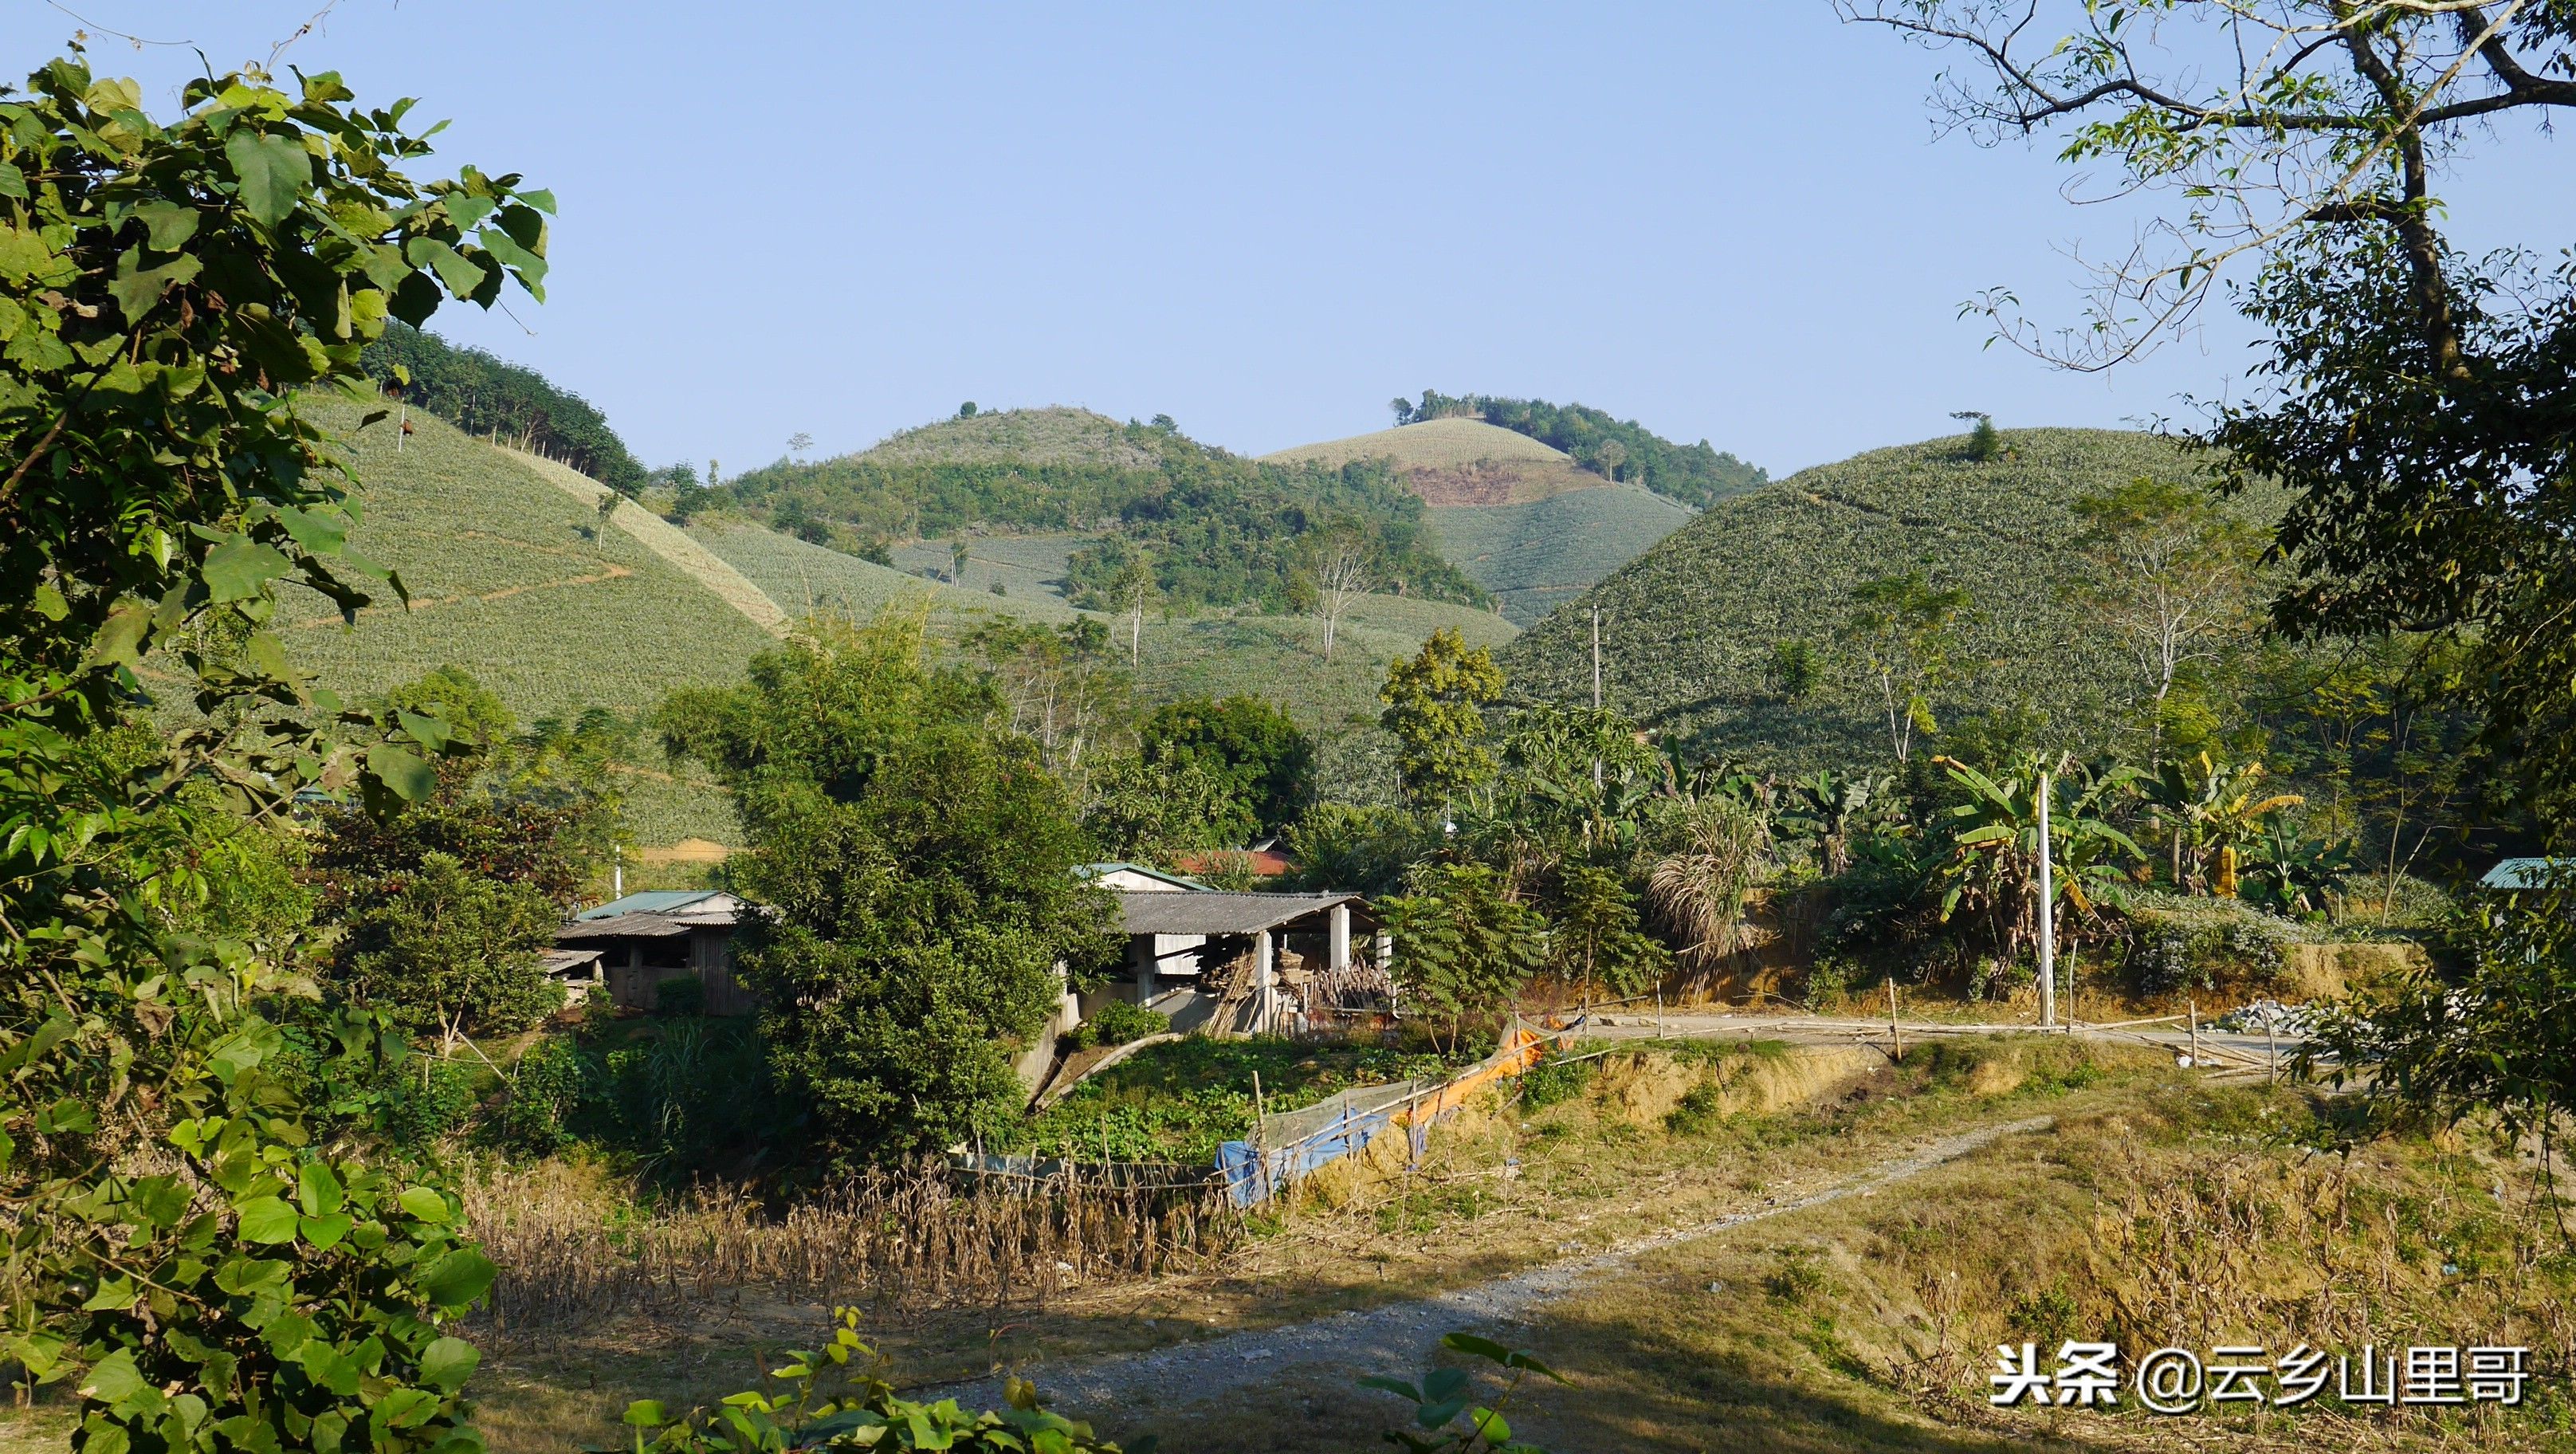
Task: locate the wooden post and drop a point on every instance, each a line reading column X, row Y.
column 2195, row 1032
column 1895, row 1035
column 1659, row 1012
column 1260, row 1158
column 2271, row 1054
column 2047, row 917
column 1596, row 686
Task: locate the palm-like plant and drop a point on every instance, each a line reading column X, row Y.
column 2208, row 814
column 1992, row 868
column 1835, row 811
column 1702, row 888
column 2294, row 872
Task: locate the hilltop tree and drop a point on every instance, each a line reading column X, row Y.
column 1904, row 628
column 1431, row 707
column 2172, row 573
column 1985, row 441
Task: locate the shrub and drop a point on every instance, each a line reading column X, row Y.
column 681, row 998
column 2178, row 943
column 545, row 1091
column 1119, row 1021
column 1557, row 1080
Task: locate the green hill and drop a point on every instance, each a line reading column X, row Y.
column 1210, row 528
column 1690, row 625
column 1619, row 449
column 1516, row 514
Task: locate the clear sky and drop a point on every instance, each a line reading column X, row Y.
column 1728, row 221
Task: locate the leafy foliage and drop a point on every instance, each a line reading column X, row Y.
column 1447, row 1418
column 838, row 1399
column 1258, row 749
column 1462, row 948
column 454, row 948
column 234, row 1270
column 918, row 867
column 1432, row 708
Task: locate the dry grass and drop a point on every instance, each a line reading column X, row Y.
column 1434, row 444
column 577, row 1251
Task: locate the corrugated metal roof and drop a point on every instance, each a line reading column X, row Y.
column 1216, row 912
column 650, row 901
column 623, row 926
column 1090, row 871
column 2531, row 873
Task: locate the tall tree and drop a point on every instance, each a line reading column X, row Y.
column 918, row 867
column 1432, row 703
column 1903, row 627
column 2173, row 574
column 2421, row 403
column 1341, row 576
column 1265, row 758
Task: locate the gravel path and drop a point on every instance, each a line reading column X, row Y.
column 1397, row 1335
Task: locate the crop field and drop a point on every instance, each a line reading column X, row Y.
column 1688, row 625
column 511, row 579
column 1538, row 555
column 1052, row 435
column 1026, row 567
column 807, row 579
column 1435, row 444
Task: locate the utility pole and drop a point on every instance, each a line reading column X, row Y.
column 1596, row 688
column 2047, row 916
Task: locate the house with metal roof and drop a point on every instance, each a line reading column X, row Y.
column 645, row 939
column 1240, row 963
column 2530, row 873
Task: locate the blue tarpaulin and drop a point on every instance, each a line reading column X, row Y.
column 1251, row 1179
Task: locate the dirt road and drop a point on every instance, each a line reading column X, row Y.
column 1398, row 1335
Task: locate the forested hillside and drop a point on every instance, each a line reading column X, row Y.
column 485, row 395
column 1188, row 525
column 1695, row 474
column 1698, row 630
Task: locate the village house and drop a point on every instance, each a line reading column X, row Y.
column 630, row 946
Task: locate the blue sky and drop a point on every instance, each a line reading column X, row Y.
column 1730, row 221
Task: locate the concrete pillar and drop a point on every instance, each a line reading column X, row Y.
column 1337, row 957
column 1141, row 949
column 1264, row 974
column 1385, row 951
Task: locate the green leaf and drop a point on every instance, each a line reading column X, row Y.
column 539, row 198
column 171, row 224
column 13, row 182
column 1469, row 1343
column 645, row 1413
column 113, row 1379
column 1490, row 1424
column 326, row 1231
column 119, row 641
column 1396, row 1386
column 317, row 532
column 160, row 1200
column 454, row 269
column 407, row 776
column 422, row 1203
column 405, row 1408
column 266, row 1220
column 241, row 567
column 448, row 1362
column 273, row 170
column 1442, row 1383
column 1433, row 1415
column 318, row 1190
column 458, row 1279
column 429, row 732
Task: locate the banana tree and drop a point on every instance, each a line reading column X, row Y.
column 1835, row 810
column 1991, row 870
column 2293, row 872
column 2207, row 814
